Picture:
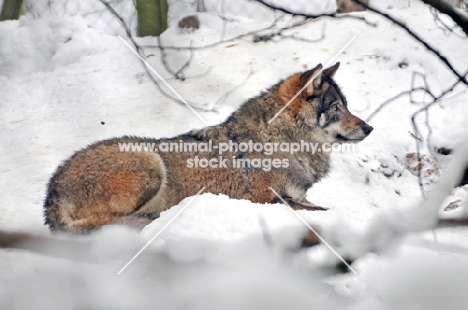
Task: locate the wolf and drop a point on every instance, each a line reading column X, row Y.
column 104, row 184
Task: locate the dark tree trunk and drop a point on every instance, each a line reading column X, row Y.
column 152, row 17
column 11, row 9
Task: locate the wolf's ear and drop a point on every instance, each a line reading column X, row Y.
column 330, row 72
column 314, row 74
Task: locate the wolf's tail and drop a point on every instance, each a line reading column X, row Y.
column 14, row 240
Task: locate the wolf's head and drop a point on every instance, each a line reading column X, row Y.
column 321, row 108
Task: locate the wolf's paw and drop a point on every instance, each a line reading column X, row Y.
column 307, row 206
column 316, row 208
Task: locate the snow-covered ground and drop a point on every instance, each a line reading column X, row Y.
column 65, row 84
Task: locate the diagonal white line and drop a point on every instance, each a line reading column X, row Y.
column 162, row 80
column 313, row 78
column 159, row 232
column 314, row 231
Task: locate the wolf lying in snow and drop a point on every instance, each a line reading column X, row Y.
column 103, row 184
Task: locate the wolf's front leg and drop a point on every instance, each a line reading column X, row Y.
column 139, row 220
column 303, row 204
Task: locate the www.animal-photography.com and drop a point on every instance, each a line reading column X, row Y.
column 233, row 154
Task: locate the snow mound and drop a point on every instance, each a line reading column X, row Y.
column 62, row 41
column 217, row 217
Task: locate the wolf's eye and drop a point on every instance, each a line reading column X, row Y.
column 335, row 107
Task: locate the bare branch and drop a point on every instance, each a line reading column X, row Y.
column 312, row 16
column 271, row 31
column 390, row 100
column 219, row 101
column 416, row 129
column 448, row 9
column 139, row 50
column 417, row 38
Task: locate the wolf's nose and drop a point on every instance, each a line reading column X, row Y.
column 367, row 129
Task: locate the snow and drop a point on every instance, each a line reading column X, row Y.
column 67, row 81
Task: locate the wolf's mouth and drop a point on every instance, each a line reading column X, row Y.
column 343, row 138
